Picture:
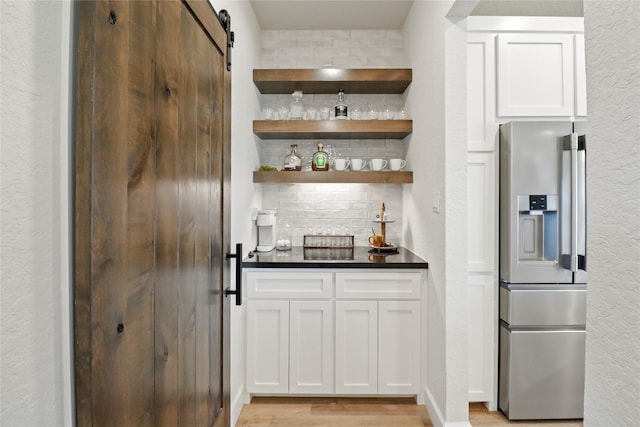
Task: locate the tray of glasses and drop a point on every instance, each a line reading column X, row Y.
column 328, row 241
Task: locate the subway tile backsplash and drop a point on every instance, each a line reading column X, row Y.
column 336, row 48
column 307, row 206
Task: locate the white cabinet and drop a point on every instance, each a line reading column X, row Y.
column 339, row 332
column 268, row 339
column 482, row 128
column 482, row 212
column 377, row 347
column 292, row 344
column 482, row 278
column 398, row 347
column 356, row 347
column 581, row 76
column 378, row 333
column 311, row 347
column 535, row 74
column 290, row 332
column 482, row 341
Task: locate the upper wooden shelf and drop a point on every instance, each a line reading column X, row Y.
column 365, row 177
column 330, row 80
column 332, row 129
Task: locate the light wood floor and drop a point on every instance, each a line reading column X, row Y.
column 352, row 412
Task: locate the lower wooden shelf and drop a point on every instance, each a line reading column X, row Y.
column 364, row 177
column 332, row 129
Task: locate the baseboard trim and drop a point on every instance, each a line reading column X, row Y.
column 237, row 404
column 435, row 414
column 437, row 419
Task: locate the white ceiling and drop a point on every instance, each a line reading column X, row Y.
column 331, row 14
column 384, row 14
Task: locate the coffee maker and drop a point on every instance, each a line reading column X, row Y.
column 266, row 221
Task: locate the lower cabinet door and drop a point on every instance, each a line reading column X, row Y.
column 267, row 346
column 356, row 347
column 399, row 347
column 311, row 347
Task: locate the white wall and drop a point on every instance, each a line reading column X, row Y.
column 612, row 383
column 245, row 196
column 435, row 49
column 34, row 224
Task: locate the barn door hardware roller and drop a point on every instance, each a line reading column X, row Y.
column 225, row 21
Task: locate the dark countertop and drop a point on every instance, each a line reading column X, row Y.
column 359, row 257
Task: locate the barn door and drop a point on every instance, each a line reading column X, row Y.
column 152, row 215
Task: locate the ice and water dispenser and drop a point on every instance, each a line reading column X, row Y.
column 538, row 227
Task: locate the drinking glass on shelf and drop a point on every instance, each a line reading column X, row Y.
column 283, row 113
column 267, row 113
column 401, row 114
column 373, row 113
column 356, row 113
column 331, row 152
column 311, row 114
column 330, row 230
column 325, row 113
column 386, row 113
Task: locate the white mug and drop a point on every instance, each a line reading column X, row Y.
column 341, row 164
column 358, row 164
column 378, row 164
column 397, row 164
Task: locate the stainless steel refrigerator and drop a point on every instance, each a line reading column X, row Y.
column 543, row 263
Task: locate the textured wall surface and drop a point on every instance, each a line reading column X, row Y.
column 426, row 231
column 353, row 205
column 32, row 387
column 612, row 386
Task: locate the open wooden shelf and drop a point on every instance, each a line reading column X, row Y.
column 332, row 129
column 330, row 80
column 364, row 177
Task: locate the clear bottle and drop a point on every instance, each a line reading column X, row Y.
column 296, row 112
column 320, row 160
column 341, row 108
column 293, row 161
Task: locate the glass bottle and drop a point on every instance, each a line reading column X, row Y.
column 293, row 161
column 341, row 107
column 320, row 160
column 283, row 243
column 296, row 112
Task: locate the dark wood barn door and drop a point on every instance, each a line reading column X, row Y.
column 152, row 215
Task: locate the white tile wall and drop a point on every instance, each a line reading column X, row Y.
column 306, row 206
column 332, row 48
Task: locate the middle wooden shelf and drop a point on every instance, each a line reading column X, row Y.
column 332, row 129
column 363, row 177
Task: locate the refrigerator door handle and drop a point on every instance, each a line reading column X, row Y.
column 581, row 196
column 569, row 258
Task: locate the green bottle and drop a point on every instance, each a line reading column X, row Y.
column 320, row 160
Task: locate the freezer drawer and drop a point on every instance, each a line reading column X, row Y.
column 543, row 305
column 541, row 373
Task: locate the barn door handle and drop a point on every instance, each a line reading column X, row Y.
column 238, row 291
